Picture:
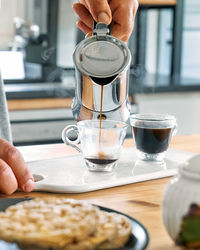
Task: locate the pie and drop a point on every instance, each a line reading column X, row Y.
column 59, row 224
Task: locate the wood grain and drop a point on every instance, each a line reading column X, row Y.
column 143, row 201
column 158, row 2
column 40, row 103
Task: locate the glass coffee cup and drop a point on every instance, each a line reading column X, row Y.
column 152, row 134
column 101, row 143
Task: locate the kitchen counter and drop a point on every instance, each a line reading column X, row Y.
column 40, row 90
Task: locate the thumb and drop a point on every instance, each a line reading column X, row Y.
column 100, row 10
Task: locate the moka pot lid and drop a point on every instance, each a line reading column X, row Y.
column 102, row 55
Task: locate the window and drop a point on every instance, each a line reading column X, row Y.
column 166, row 54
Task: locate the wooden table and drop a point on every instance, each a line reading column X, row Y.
column 157, row 2
column 39, row 103
column 142, row 201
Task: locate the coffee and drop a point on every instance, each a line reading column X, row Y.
column 152, row 140
column 101, row 161
column 100, row 119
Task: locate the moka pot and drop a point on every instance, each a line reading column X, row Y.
column 99, row 60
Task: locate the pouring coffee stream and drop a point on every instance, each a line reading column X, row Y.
column 100, row 118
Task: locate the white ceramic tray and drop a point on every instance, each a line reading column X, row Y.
column 69, row 175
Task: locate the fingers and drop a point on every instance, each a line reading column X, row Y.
column 14, row 160
column 123, row 18
column 122, row 14
column 8, row 182
column 83, row 27
column 99, row 10
column 90, row 10
column 84, row 16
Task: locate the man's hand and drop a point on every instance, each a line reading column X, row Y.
column 120, row 12
column 14, row 172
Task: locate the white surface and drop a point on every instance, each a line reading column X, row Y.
column 12, row 65
column 69, row 175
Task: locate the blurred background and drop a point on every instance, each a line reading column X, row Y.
column 37, row 40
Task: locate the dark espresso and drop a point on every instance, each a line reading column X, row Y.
column 152, row 140
column 101, row 161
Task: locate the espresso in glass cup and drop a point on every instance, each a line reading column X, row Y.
column 152, row 134
column 100, row 143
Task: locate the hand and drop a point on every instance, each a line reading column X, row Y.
column 120, row 12
column 14, row 172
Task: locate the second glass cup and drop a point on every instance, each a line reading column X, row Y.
column 152, row 134
column 100, row 144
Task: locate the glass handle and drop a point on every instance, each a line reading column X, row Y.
column 175, row 129
column 66, row 139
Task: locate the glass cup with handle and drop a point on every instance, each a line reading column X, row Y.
column 100, row 143
column 152, row 133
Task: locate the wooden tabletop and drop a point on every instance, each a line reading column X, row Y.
column 38, row 103
column 142, row 201
column 157, row 2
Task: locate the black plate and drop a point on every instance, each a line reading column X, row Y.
column 137, row 241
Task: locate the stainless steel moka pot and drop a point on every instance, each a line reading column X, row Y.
column 101, row 60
